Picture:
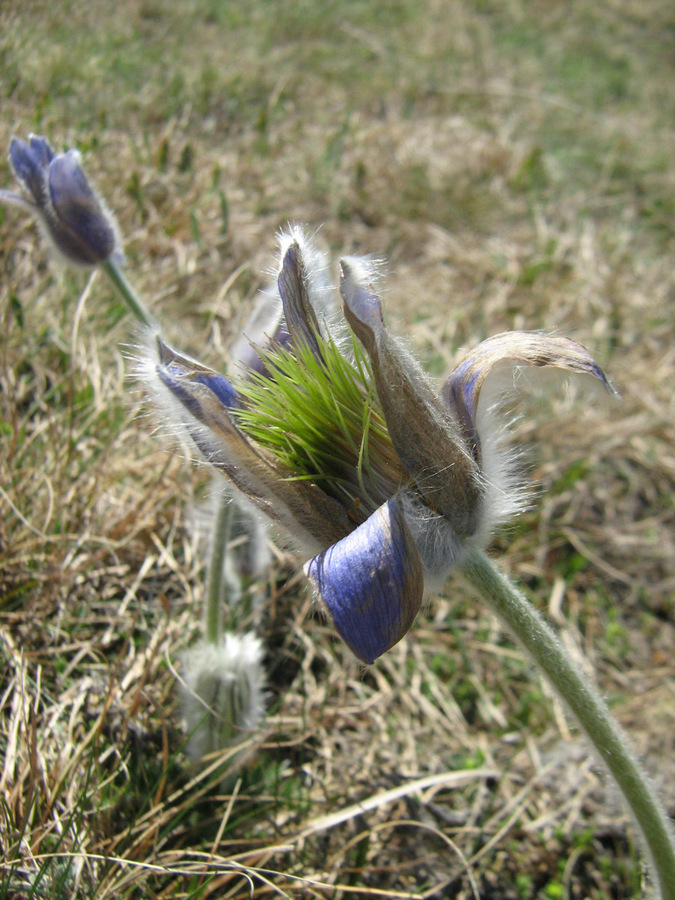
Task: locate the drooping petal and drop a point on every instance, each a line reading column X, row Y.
column 298, row 313
column 84, row 231
column 313, row 520
column 462, row 389
column 430, row 443
column 372, row 582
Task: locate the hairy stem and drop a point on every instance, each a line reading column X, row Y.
column 213, row 611
column 540, row 641
column 127, row 292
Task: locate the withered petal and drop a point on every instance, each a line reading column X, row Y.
column 462, row 388
column 429, row 442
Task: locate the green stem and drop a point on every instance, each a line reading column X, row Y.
column 127, row 292
column 213, row 612
column 540, row 641
column 214, row 581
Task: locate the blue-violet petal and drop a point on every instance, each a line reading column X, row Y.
column 30, row 168
column 372, row 582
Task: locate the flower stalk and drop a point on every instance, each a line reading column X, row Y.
column 127, row 292
column 592, row 714
column 213, row 610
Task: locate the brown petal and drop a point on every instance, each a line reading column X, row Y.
column 462, row 389
column 427, row 439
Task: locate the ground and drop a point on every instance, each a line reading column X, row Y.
column 513, row 164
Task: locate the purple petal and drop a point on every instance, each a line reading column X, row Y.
column 300, row 317
column 220, row 386
column 462, row 389
column 372, row 582
column 83, row 230
column 40, row 147
column 30, row 165
column 177, row 372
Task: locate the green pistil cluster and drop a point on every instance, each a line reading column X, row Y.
column 322, row 419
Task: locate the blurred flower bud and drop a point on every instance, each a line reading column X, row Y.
column 69, row 212
column 223, row 695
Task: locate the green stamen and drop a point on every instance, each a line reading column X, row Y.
column 322, row 419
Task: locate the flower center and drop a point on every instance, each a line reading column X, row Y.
column 320, row 416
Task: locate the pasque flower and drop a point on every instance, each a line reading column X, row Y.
column 336, row 433
column 68, row 210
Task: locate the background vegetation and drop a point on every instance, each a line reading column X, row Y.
column 513, row 161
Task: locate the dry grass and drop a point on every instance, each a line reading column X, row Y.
column 514, row 165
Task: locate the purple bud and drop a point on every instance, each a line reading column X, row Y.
column 84, row 231
column 62, row 201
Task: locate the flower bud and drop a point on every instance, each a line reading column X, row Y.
column 68, row 210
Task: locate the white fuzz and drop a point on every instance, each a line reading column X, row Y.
column 319, row 283
column 438, row 545
column 507, row 492
column 366, row 270
column 222, row 692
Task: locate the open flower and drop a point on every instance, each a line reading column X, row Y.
column 340, row 438
column 69, row 212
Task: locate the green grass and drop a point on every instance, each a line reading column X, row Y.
column 514, row 163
